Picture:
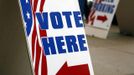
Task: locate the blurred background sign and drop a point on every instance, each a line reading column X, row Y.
column 101, row 17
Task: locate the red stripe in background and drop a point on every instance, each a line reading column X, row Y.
column 98, row 1
column 91, row 17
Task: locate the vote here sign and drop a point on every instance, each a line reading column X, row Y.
column 56, row 38
column 102, row 13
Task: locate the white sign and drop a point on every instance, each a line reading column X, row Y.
column 56, row 37
column 102, row 13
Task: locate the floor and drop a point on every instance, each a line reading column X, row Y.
column 112, row 56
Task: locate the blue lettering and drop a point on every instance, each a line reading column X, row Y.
column 104, row 7
column 68, row 19
column 78, row 19
column 49, row 46
column 43, row 20
column 60, row 43
column 56, row 20
column 82, row 41
column 71, row 44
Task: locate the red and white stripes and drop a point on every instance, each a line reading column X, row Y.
column 39, row 61
column 92, row 16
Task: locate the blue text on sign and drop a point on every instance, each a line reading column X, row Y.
column 64, row 44
column 57, row 19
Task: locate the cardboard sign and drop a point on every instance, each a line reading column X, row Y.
column 56, row 38
column 102, row 13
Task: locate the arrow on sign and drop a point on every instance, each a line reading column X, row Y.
column 102, row 18
column 74, row 70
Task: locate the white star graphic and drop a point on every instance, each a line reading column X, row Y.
column 27, row 1
column 28, row 15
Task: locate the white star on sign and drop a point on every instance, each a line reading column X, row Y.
column 28, row 15
column 26, row 1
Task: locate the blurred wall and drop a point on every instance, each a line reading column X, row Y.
column 14, row 58
column 125, row 16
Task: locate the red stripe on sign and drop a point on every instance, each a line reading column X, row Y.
column 31, row 2
column 42, row 5
column 38, row 52
column 33, row 41
column 35, row 6
column 44, row 65
column 43, row 33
